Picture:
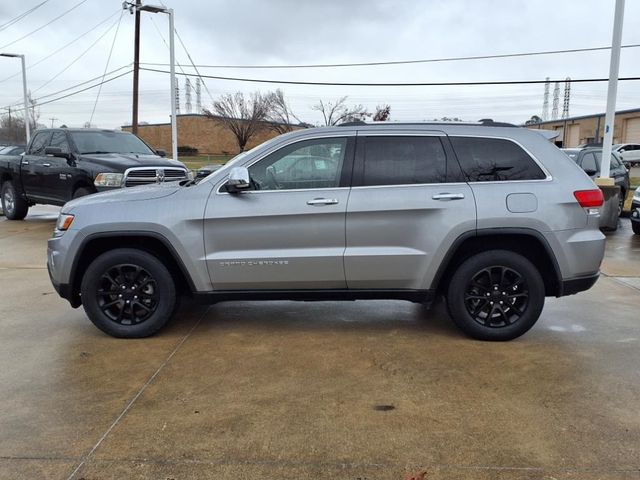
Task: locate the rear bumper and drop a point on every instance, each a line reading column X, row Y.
column 580, row 284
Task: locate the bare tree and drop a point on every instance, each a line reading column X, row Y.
column 281, row 116
column 242, row 116
column 383, row 113
column 338, row 111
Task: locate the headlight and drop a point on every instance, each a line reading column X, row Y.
column 64, row 222
column 108, row 180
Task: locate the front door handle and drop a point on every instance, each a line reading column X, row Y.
column 46, row 164
column 322, row 201
column 448, row 196
column 25, row 162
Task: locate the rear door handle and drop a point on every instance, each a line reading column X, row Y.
column 46, row 164
column 448, row 196
column 25, row 162
column 322, row 201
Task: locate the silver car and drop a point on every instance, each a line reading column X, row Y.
column 493, row 217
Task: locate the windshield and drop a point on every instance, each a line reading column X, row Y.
column 109, row 142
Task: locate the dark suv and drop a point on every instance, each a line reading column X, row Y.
column 590, row 158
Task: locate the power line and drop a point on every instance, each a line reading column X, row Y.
column 194, row 66
column 15, row 20
column 79, row 56
column 68, row 88
column 45, row 25
column 391, row 84
column 405, row 62
column 115, row 36
column 85, row 89
column 30, row 66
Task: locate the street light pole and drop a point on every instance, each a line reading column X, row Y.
column 612, row 90
column 24, row 91
column 174, row 120
column 172, row 61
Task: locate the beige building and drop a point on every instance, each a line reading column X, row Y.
column 587, row 129
column 207, row 134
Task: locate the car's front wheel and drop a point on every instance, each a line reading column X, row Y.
column 14, row 206
column 496, row 295
column 128, row 293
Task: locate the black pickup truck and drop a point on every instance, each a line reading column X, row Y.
column 64, row 163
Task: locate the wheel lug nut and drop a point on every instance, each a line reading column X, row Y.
column 135, row 297
column 501, row 302
column 124, row 287
column 488, row 294
column 120, row 296
column 127, row 302
column 490, row 303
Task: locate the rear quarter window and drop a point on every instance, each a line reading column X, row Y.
column 494, row 159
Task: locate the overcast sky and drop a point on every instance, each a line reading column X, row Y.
column 282, row 32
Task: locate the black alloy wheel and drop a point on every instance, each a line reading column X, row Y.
column 127, row 294
column 496, row 296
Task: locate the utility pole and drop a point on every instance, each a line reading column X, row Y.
column 612, row 89
column 567, row 98
column 136, row 69
column 53, row 119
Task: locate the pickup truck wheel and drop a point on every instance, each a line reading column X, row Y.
column 82, row 191
column 13, row 205
column 496, row 295
column 128, row 293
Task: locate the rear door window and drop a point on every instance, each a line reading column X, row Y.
column 403, row 160
column 589, row 162
column 495, row 159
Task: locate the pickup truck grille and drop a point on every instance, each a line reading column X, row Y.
column 145, row 176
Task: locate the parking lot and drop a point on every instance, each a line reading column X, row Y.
column 353, row 390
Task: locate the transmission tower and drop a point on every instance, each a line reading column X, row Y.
column 177, row 99
column 187, row 95
column 567, row 98
column 556, row 100
column 545, row 101
column 198, row 95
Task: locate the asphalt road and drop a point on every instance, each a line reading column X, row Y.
column 355, row 390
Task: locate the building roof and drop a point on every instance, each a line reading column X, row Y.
column 593, row 115
column 202, row 115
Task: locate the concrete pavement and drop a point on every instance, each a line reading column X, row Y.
column 373, row 390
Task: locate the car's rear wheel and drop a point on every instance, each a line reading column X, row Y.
column 496, row 295
column 128, row 293
column 14, row 206
column 635, row 226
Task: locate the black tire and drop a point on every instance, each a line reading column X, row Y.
column 14, row 206
column 128, row 293
column 519, row 286
column 623, row 196
column 82, row 191
column 635, row 226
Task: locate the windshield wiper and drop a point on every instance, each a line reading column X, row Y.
column 96, row 152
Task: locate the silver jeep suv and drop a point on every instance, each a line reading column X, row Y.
column 493, row 217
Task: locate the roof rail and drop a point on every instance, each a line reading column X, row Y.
column 488, row 122
column 352, row 123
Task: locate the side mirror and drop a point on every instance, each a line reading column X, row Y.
column 591, row 173
column 238, row 180
column 55, row 152
column 160, row 152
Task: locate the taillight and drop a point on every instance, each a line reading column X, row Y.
column 589, row 198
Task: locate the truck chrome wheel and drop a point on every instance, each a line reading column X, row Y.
column 8, row 202
column 127, row 294
column 496, row 296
